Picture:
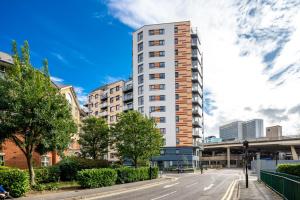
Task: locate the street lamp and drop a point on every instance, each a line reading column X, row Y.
column 246, row 145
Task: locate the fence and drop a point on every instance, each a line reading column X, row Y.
column 288, row 186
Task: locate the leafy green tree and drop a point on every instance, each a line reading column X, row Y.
column 94, row 138
column 136, row 137
column 33, row 113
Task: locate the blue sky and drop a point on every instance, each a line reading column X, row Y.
column 85, row 46
column 251, row 49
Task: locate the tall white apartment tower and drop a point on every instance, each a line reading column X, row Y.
column 168, row 86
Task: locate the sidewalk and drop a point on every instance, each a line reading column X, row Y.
column 104, row 191
column 255, row 191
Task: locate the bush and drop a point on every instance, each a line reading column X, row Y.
column 70, row 166
column 128, row 175
column 48, row 186
column 93, row 178
column 292, row 169
column 4, row 168
column 47, row 174
column 15, row 181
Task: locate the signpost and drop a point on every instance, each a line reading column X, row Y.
column 246, row 145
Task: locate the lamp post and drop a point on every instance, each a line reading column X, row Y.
column 246, row 145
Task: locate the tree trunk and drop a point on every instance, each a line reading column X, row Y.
column 30, row 169
column 136, row 163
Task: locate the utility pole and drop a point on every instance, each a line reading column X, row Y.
column 246, row 145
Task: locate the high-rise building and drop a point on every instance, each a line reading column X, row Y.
column 168, row 86
column 253, row 129
column 108, row 101
column 242, row 130
column 232, row 131
column 274, row 131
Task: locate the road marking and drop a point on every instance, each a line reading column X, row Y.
column 229, row 191
column 191, row 185
column 164, row 195
column 207, row 188
column 167, row 186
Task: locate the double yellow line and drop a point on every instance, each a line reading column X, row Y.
column 229, row 192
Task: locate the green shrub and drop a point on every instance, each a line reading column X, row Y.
column 128, row 175
column 15, row 181
column 93, row 178
column 4, row 168
column 47, row 174
column 71, row 165
column 39, row 187
column 46, row 186
column 293, row 169
column 155, row 172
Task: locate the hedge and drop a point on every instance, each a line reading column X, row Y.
column 47, row 174
column 93, row 178
column 15, row 181
column 293, row 169
column 128, row 175
column 70, row 166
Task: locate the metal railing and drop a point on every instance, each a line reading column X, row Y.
column 288, row 186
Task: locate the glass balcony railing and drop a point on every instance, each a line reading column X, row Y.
column 128, row 107
column 127, row 88
column 104, row 105
column 104, row 96
column 128, row 97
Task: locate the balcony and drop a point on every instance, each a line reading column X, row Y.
column 197, row 111
column 128, row 88
column 196, row 77
column 103, row 114
column 197, row 132
column 128, row 107
column 196, row 122
column 104, row 105
column 104, row 96
column 128, row 97
column 196, row 144
column 195, row 41
column 196, row 54
column 197, row 100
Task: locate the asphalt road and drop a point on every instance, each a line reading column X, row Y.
column 213, row 185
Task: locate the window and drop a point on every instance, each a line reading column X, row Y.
column 162, row 120
column 161, row 42
column 96, row 105
column 111, row 90
column 140, row 57
column 176, row 63
column 140, row 90
column 175, row 29
column 177, row 141
column 161, row 53
column 1, row 160
column 117, row 107
column 161, row 31
column 162, row 97
column 140, row 79
column 111, row 118
column 140, row 36
column 151, row 54
column 177, row 118
column 96, row 96
column 140, row 47
column 96, row 113
column 162, row 130
column 154, row 76
column 118, row 98
column 111, row 100
column 157, row 87
column 151, row 32
column 177, row 129
column 157, row 108
column 156, row 42
column 176, row 85
column 141, row 109
column 176, row 52
column 176, row 74
column 157, row 98
column 177, row 107
column 141, row 101
column 45, row 161
column 162, row 152
column 151, row 43
column 140, row 68
column 177, row 96
column 177, row 151
column 111, row 109
column 90, row 98
column 176, row 40
column 117, row 88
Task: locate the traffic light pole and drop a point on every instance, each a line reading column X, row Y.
column 246, row 145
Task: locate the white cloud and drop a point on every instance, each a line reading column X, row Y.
column 237, row 39
column 81, row 95
column 60, row 57
column 110, row 79
column 56, row 79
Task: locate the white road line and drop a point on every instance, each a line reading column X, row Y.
column 231, row 191
column 167, row 186
column 164, row 195
column 208, row 187
column 191, row 185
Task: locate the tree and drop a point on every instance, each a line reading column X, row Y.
column 94, row 138
column 136, row 137
column 33, row 113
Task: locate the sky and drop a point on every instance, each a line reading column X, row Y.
column 251, row 49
